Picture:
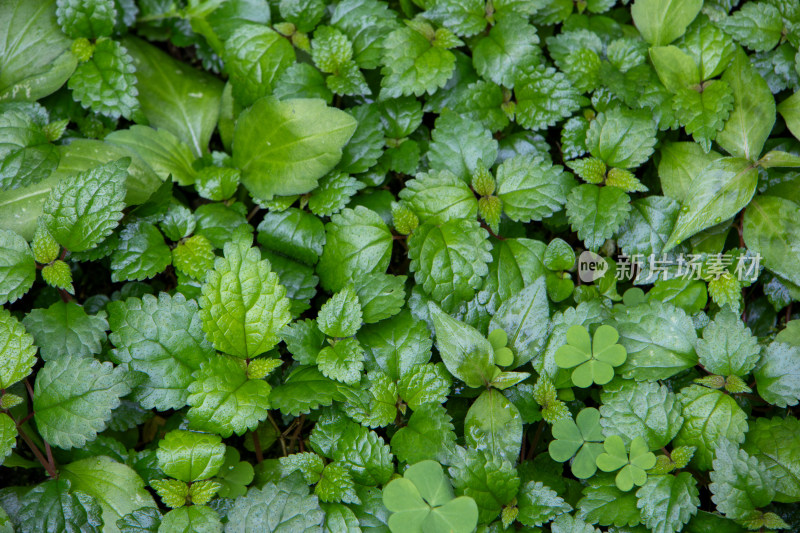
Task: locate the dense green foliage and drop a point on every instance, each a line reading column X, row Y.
column 411, row 266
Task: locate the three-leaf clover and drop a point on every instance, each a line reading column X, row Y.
column 423, row 500
column 581, row 438
column 633, row 465
column 593, row 359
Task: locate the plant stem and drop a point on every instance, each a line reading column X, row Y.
column 278, row 431
column 257, row 446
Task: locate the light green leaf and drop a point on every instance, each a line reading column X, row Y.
column 502, row 55
column 728, row 347
column 775, row 442
column 493, row 425
column 790, row 111
column 106, row 83
column 428, row 435
column 163, row 151
column 538, row 504
column 622, row 138
column 531, row 188
column 17, row 267
column 458, row 144
column 190, row 456
column 342, row 361
column 709, row 416
column 54, row 506
column 140, row 254
column 719, row 192
column 278, row 507
column 439, row 196
column 544, row 96
column 224, row 401
column 284, row 147
column 243, row 306
column 738, row 486
column 175, row 96
column 595, row 213
column 636, row 409
column 680, row 163
column 17, row 352
column 255, row 56
column 757, row 25
column 193, row 519
column 668, row 502
column 662, row 21
column 466, row 353
column 778, row 374
column 412, row 64
column 395, row 346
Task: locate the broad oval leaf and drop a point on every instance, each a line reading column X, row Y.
column 493, row 425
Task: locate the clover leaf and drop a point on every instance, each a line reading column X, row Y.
column 593, row 360
column 580, row 438
column 423, row 500
column 632, row 466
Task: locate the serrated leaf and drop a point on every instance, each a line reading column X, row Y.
column 738, row 486
column 775, row 442
column 727, row 347
column 649, row 225
column 53, row 505
column 141, row 253
column 504, row 53
column 604, row 504
column 762, row 16
column 243, row 306
column 64, row 328
column 381, row 296
column 412, row 64
column 778, row 374
column 73, row 399
column 116, row 487
column 86, row 19
column 450, row 260
column 709, row 416
column 83, row 210
column 199, row 518
column 595, row 213
column 357, row 242
column 668, row 502
column 144, row 520
column 491, row 481
column 458, row 144
column 662, row 21
column 106, row 83
column 704, row 113
column 8, row 436
column 223, row 400
column 26, row 153
column 17, row 267
column 636, row 409
column 277, row 508
column 621, row 138
column 395, row 346
column 424, row 384
column 544, row 96
column 334, row 192
column 439, row 196
column 427, row 435
column 305, row 389
column 466, row 353
column 255, row 56
column 770, row 229
column 190, row 456
column 539, row 504
column 342, row 361
column 365, row 455
column 531, row 188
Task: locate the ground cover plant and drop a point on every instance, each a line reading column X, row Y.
column 417, row 266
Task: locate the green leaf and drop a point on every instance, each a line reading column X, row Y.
column 381, row 296
column 243, row 307
column 704, row 113
column 738, row 485
column 278, row 507
column 544, row 96
column 255, row 56
column 439, row 196
column 753, row 113
column 73, row 399
column 54, row 506
column 450, row 260
column 493, row 425
column 459, row 144
column 8, row 436
column 503, row 54
column 365, row 455
column 17, row 352
column 340, row 316
column 581, row 439
column 413, row 64
column 144, row 520
column 709, row 416
column 727, row 185
column 86, row 19
column 668, row 502
column 174, row 96
column 727, row 347
column 466, row 353
column 539, row 504
column 778, row 374
column 293, row 232
column 603, row 503
column 774, row 442
column 525, row 319
column 84, row 210
column 763, row 17
column 160, row 149
column 116, row 487
column 342, row 361
column 622, row 138
column 595, row 213
column 567, row 523
column 64, row 328
column 491, row 481
column 106, row 83
column 36, row 55
column 223, row 400
column 141, row 253
column 190, row 456
column 680, row 163
column 197, row 518
column 770, row 228
column 424, row 384
column 334, row 192
column 662, row 21
column 302, row 141
column 305, row 389
column 659, row 339
column 677, row 69
column 27, row 154
column 790, row 111
column 427, row 435
column 531, row 188
column 17, row 267
column 395, row 346
column 637, row 409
